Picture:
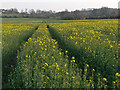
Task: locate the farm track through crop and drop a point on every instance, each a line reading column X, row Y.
column 12, row 62
column 54, row 34
column 72, row 51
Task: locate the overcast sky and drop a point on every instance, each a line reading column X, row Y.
column 58, row 5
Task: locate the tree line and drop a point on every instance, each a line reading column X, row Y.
column 101, row 13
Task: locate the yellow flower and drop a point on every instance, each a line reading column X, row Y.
column 44, row 82
column 52, row 57
column 98, row 74
column 104, row 79
column 57, row 68
column 60, row 53
column 85, row 69
column 47, row 77
column 114, row 82
column 75, row 43
column 49, row 66
column 35, row 53
column 46, row 64
column 111, row 46
column 67, row 73
column 43, row 67
column 45, row 46
column 26, row 56
column 93, row 69
column 53, row 46
column 66, row 52
column 73, row 61
column 40, row 42
column 56, row 63
column 73, row 77
column 71, row 37
column 73, row 57
column 83, row 40
column 56, row 42
column 117, row 74
column 65, row 65
column 43, row 75
column 98, row 37
column 87, row 65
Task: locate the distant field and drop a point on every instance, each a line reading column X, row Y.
column 38, row 20
column 49, row 53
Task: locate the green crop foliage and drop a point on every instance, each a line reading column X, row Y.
column 94, row 43
column 13, row 35
column 60, row 53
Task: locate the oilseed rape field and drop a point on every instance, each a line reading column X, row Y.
column 60, row 53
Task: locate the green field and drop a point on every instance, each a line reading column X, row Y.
column 47, row 53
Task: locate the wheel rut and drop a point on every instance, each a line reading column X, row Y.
column 10, row 65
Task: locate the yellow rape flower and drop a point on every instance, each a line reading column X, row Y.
column 56, row 42
column 43, row 75
column 47, row 77
column 111, row 46
column 26, row 56
column 46, row 64
column 65, row 65
column 90, row 80
column 67, row 73
column 66, row 52
column 87, row 65
column 93, row 69
column 114, row 82
column 104, row 79
column 73, row 61
column 83, row 40
column 60, row 53
column 86, row 70
column 57, row 68
column 117, row 74
column 73, row 57
column 43, row 67
column 73, row 77
column 44, row 82
column 75, row 43
column 53, row 46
